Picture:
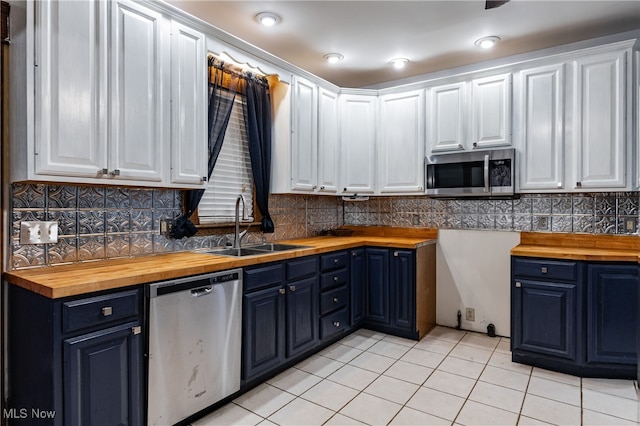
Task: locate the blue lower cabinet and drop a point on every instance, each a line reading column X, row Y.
column 612, row 314
column 357, row 286
column 377, row 296
column 302, row 316
column 403, row 289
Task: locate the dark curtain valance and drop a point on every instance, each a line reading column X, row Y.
column 224, row 84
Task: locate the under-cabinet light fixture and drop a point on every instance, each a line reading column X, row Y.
column 487, row 42
column 333, row 58
column 267, row 19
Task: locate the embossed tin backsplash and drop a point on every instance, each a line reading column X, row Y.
column 98, row 223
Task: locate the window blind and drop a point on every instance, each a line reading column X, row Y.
column 231, row 174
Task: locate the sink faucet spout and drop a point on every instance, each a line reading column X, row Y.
column 238, row 236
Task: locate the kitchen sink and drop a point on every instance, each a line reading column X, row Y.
column 256, row 250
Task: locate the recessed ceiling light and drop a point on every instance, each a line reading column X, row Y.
column 487, row 42
column 267, row 19
column 399, row 63
column 333, row 58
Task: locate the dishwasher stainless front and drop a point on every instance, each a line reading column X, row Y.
column 194, row 344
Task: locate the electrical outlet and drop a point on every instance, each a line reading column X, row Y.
column 542, row 222
column 166, row 227
column 470, row 314
column 38, row 232
column 630, row 225
column 415, row 220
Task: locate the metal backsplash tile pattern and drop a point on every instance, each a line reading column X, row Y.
column 109, row 222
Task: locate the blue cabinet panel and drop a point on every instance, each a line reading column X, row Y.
column 357, row 266
column 302, row 316
column 403, row 291
column 612, row 313
column 377, row 281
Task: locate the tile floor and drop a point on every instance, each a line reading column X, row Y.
column 450, row 377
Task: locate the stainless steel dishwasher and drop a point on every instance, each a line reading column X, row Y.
column 194, row 344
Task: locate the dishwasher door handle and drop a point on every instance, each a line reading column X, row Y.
column 202, row 291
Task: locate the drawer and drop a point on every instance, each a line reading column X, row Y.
column 334, row 323
column 262, row 277
column 332, row 279
column 334, row 299
column 302, row 268
column 100, row 310
column 547, row 269
column 331, row 261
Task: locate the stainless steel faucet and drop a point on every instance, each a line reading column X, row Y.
column 238, row 235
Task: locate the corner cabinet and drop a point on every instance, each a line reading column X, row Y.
column 100, row 77
column 400, row 166
column 80, row 359
column 358, row 117
column 575, row 317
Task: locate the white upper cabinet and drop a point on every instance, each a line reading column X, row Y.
column 304, row 135
column 401, row 143
column 539, row 128
column 189, row 139
column 70, row 81
column 328, row 142
column 447, row 115
column 471, row 114
column 491, row 113
column 599, row 107
column 137, row 72
column 358, row 114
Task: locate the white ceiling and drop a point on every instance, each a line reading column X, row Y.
column 434, row 35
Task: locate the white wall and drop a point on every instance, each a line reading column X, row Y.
column 473, row 270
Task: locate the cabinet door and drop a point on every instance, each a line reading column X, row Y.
column 358, row 140
column 377, row 285
column 189, row 151
column 403, row 289
column 447, row 117
column 401, row 143
column 545, row 317
column 600, row 94
column 541, row 128
column 357, row 285
column 263, row 336
column 491, row 111
column 137, row 78
column 70, row 81
column 304, row 138
column 328, row 138
column 612, row 314
column 103, row 377
column 302, row 316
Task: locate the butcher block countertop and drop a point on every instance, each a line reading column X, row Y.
column 77, row 279
column 609, row 248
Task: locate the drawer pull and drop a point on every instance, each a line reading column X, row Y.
column 335, row 261
column 336, row 279
column 282, row 291
column 292, row 287
column 136, row 330
column 336, row 323
column 107, row 311
column 396, row 254
column 518, row 284
column 544, row 270
column 335, row 300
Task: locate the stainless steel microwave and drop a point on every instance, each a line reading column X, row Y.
column 471, row 174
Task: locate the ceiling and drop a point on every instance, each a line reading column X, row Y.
column 433, row 35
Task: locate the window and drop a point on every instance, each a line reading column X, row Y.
column 231, row 174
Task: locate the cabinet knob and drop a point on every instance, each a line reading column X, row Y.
column 518, row 284
column 475, row 144
column 136, row 330
column 314, row 187
column 336, row 323
column 203, row 179
column 335, row 279
column 335, row 261
column 292, row 287
column 395, row 254
column 105, row 171
column 107, row 311
column 115, row 172
column 544, row 270
column 322, row 188
column 579, row 184
column 282, row 291
column 559, row 184
column 460, row 146
column 354, row 254
column 335, row 300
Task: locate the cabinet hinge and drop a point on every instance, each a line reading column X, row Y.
column 136, row 330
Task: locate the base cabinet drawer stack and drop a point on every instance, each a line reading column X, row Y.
column 575, row 317
column 334, row 294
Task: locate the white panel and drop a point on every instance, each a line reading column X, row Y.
column 491, row 116
column 281, row 146
column 137, row 102
column 69, row 84
column 328, row 138
column 304, row 136
column 357, row 139
column 188, row 106
column 542, row 138
column 601, row 135
column 473, row 271
column 401, row 143
column 446, row 117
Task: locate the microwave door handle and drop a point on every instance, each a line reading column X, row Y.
column 486, row 173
